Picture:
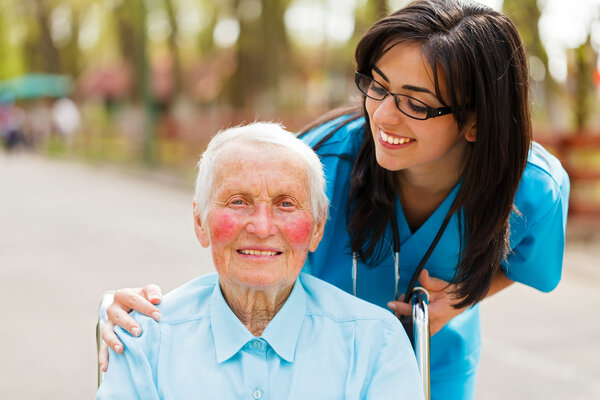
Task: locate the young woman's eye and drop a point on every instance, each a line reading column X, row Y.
column 417, row 106
column 377, row 90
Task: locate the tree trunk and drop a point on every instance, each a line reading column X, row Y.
column 46, row 46
column 174, row 48
column 131, row 29
column 263, row 58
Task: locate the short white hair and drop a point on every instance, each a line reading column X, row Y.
column 265, row 134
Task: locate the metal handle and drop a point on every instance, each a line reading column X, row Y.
column 107, row 300
column 420, row 316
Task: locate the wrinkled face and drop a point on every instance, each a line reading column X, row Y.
column 403, row 143
column 259, row 223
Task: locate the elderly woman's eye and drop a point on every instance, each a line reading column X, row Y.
column 287, row 203
column 237, row 202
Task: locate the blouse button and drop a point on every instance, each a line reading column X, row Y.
column 257, row 394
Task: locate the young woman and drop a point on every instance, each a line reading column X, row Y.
column 436, row 168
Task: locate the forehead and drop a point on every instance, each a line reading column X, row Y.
column 248, row 164
column 405, row 64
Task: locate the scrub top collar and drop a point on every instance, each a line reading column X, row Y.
column 282, row 333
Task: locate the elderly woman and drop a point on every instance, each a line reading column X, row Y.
column 259, row 329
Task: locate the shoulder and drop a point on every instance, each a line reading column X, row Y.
column 544, row 185
column 339, row 136
column 189, row 301
column 328, row 301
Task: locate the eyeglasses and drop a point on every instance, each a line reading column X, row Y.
column 407, row 105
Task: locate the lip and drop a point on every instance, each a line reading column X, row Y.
column 393, row 146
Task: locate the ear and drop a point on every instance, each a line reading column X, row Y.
column 471, row 129
column 317, row 235
column 200, row 229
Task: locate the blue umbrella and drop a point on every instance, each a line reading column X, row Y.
column 33, row 86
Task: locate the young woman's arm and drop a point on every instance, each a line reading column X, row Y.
column 441, row 300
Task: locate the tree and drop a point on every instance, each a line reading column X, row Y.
column 262, row 54
column 41, row 53
column 582, row 76
column 526, row 14
column 174, row 48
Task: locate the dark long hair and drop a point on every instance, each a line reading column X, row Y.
column 479, row 53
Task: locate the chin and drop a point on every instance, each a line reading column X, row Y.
column 260, row 280
column 388, row 162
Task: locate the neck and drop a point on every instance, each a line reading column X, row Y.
column 423, row 188
column 440, row 183
column 254, row 308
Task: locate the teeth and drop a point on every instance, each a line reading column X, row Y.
column 258, row 252
column 393, row 140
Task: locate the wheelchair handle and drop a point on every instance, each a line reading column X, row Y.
column 420, row 315
column 107, row 300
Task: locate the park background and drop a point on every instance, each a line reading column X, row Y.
column 105, row 106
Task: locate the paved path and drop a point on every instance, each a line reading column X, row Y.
column 69, row 231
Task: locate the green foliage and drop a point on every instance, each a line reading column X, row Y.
column 166, row 49
column 12, row 61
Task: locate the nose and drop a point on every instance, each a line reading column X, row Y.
column 386, row 112
column 261, row 222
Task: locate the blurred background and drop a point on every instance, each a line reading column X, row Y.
column 149, row 81
column 105, row 106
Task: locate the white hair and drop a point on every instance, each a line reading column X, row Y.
column 265, row 134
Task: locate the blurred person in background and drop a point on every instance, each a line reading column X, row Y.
column 39, row 121
column 12, row 119
column 66, row 117
column 258, row 328
column 439, row 156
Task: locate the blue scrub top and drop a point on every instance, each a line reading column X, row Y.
column 537, row 243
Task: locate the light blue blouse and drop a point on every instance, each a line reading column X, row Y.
column 322, row 344
column 537, row 242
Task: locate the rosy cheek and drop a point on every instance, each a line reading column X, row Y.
column 298, row 231
column 224, row 227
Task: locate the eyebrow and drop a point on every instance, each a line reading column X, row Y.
column 407, row 87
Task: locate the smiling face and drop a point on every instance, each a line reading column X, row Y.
column 403, row 143
column 259, row 223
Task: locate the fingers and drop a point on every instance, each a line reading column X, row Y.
column 109, row 338
column 430, row 283
column 103, row 356
column 152, row 293
column 133, row 299
column 118, row 316
column 400, row 308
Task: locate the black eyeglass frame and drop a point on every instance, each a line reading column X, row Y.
column 431, row 112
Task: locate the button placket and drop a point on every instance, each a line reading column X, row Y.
column 257, row 366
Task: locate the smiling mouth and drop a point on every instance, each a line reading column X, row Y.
column 264, row 253
column 394, row 140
